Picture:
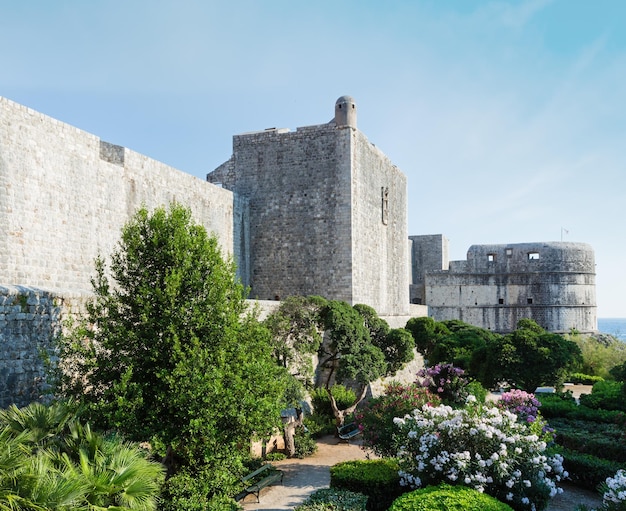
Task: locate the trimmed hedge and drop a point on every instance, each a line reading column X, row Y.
column 607, row 395
column 378, row 479
column 448, row 498
column 589, row 437
column 331, row 499
column 588, row 471
column 560, row 405
column 584, row 379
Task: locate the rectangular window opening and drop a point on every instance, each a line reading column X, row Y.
column 501, row 301
column 533, row 256
column 491, row 257
column 530, row 301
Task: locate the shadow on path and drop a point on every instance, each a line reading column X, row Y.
column 303, row 477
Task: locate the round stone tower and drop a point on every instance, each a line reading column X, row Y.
column 345, row 112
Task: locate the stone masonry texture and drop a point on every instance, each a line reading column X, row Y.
column 551, row 283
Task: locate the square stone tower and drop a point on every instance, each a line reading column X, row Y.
column 328, row 214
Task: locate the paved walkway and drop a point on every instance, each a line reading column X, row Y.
column 304, row 476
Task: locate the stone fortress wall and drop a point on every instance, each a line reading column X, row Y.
column 552, row 283
column 327, row 213
column 64, row 197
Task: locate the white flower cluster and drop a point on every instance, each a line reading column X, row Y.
column 614, row 496
column 482, row 447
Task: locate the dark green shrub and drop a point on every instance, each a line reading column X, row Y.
column 221, row 503
column 447, row 498
column 584, row 379
column 588, row 437
column 554, row 405
column 606, row 395
column 586, row 470
column 332, row 499
column 305, row 444
column 378, row 479
column 195, row 490
column 320, row 425
column 321, row 402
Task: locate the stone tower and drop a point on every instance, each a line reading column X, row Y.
column 327, row 213
column 552, row 283
column 345, row 112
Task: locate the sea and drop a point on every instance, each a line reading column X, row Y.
column 613, row 326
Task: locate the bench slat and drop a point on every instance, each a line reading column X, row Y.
column 255, row 488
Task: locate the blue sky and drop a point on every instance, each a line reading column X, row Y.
column 508, row 117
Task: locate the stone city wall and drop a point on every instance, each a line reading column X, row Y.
column 65, row 195
column 30, row 319
column 380, row 252
column 298, row 188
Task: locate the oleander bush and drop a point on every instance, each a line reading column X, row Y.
column 333, row 499
column 378, row 479
column 482, row 447
column 447, row 498
column 523, row 404
column 446, row 382
column 375, row 418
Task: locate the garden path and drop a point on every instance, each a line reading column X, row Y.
column 304, row 476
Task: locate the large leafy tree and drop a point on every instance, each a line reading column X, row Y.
column 427, row 333
column 167, row 352
column 527, row 358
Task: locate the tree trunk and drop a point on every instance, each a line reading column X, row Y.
column 290, row 433
column 340, row 415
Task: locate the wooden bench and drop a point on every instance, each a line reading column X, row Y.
column 271, row 475
column 348, row 431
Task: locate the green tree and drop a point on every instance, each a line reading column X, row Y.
column 457, row 347
column 167, row 351
column 297, row 334
column 600, row 353
column 427, row 333
column 350, row 356
column 396, row 344
column 352, row 344
column 527, row 358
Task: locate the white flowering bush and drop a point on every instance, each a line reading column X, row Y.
column 614, row 492
column 482, row 447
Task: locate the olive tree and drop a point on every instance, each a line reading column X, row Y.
column 352, row 345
